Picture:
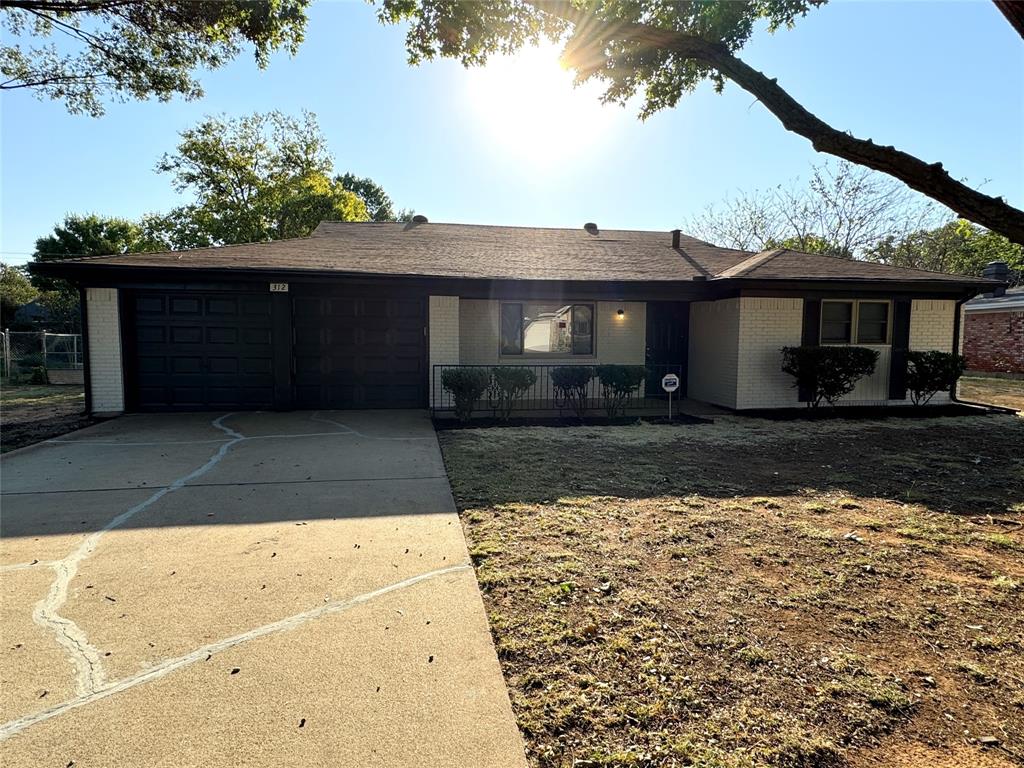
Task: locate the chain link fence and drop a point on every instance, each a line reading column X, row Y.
column 38, row 355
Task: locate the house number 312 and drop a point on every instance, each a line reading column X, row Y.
column 279, row 287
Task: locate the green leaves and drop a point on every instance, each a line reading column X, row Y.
column 255, row 178
column 112, row 48
column 958, row 247
column 828, row 373
column 597, row 42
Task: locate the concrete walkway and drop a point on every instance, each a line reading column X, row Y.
column 246, row 589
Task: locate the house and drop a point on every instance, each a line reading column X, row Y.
column 994, row 328
column 366, row 315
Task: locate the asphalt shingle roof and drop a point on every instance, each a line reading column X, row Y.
column 516, row 253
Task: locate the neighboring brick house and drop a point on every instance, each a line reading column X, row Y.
column 367, row 315
column 994, row 333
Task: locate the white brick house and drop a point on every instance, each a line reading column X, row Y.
column 368, row 315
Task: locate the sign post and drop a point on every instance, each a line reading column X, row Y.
column 670, row 383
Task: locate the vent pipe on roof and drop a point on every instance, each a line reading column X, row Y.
column 675, row 238
column 419, row 218
column 591, row 227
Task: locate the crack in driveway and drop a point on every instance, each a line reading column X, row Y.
column 105, row 689
column 89, row 672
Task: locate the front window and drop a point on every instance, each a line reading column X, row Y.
column 547, row 329
column 836, row 322
column 854, row 322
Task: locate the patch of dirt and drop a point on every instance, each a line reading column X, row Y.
column 751, row 593
column 33, row 413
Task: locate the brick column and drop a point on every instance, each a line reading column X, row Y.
column 443, row 320
column 105, row 371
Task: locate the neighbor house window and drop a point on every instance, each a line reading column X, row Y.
column 854, row 322
column 547, row 329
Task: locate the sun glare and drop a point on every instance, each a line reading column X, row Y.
column 528, row 108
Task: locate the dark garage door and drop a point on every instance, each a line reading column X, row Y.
column 196, row 351
column 352, row 352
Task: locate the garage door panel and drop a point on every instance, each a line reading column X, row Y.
column 221, row 335
column 363, row 344
column 222, row 306
column 198, row 350
column 190, row 305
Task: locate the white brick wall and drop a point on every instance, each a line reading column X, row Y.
column 443, row 318
column 105, row 371
column 931, row 325
column 735, row 359
column 765, row 326
column 931, row 328
column 714, row 351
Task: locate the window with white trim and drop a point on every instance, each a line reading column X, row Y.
column 855, row 321
column 531, row 328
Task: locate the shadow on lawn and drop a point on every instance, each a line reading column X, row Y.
column 969, row 465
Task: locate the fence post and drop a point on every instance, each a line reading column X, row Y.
column 44, row 348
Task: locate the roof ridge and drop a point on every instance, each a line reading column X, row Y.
column 869, row 261
column 756, row 260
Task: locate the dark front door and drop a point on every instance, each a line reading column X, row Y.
column 191, row 350
column 356, row 352
column 668, row 325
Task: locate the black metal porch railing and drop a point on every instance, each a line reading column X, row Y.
column 543, row 395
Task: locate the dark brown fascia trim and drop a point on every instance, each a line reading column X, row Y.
column 184, row 278
column 847, row 289
column 83, row 308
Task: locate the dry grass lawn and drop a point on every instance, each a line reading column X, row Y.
column 33, row 412
column 749, row 593
column 1008, row 393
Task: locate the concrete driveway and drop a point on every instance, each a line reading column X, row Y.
column 249, row 589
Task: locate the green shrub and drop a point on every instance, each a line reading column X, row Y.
column 828, row 373
column 930, row 372
column 467, row 385
column 39, row 375
column 508, row 384
column 618, row 382
column 571, row 383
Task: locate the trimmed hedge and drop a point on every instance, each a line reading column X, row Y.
column 618, row 382
column 931, row 372
column 828, row 373
column 508, row 384
column 467, row 386
column 571, row 383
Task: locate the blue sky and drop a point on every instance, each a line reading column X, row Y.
column 944, row 81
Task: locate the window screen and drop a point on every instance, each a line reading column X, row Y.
column 836, row 321
column 872, row 322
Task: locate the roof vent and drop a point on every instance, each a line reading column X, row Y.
column 419, row 218
column 675, row 238
column 591, row 227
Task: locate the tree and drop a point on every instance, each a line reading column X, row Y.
column 843, row 210
column 77, row 236
column 125, row 49
column 255, row 178
column 378, row 204
column 88, row 235
column 957, row 247
column 665, row 49
column 16, row 290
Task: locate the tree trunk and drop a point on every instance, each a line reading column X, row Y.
column 930, row 179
